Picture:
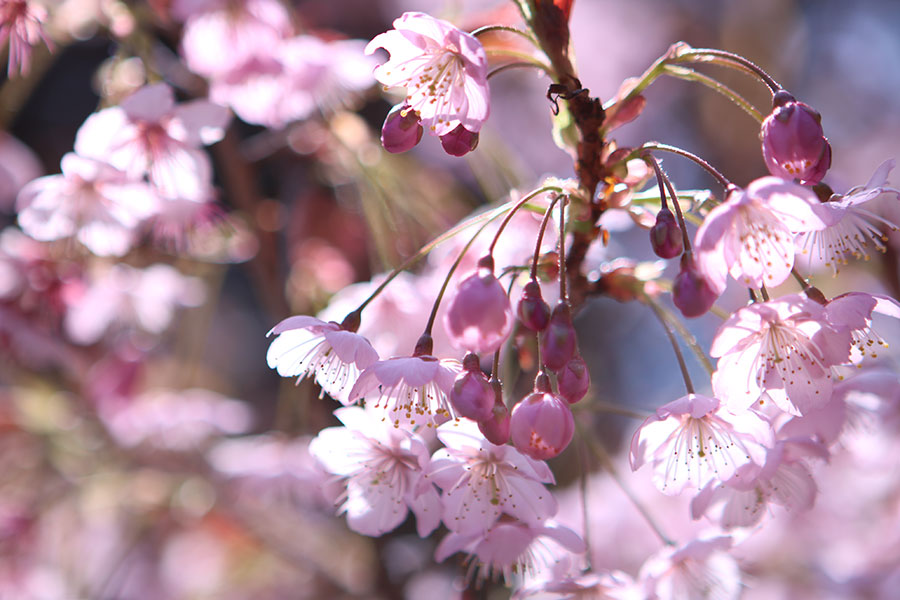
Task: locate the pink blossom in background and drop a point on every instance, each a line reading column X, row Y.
column 292, row 79
column 177, row 420
column 702, row 568
column 220, row 35
column 482, row 481
column 130, row 298
column 751, row 235
column 21, row 23
column 412, row 390
column 96, row 203
column 693, row 441
column 853, row 227
column 307, row 346
column 384, row 468
column 18, row 166
column 512, row 547
column 782, row 351
column 443, row 69
column 148, row 134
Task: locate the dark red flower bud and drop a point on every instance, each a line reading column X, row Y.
column 401, row 130
column 534, row 312
column 665, row 235
column 559, row 340
column 459, row 142
column 692, row 293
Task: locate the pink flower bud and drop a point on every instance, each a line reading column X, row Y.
column 793, row 142
column 401, row 130
column 479, row 316
column 541, row 425
column 534, row 313
column 692, row 293
column 496, row 428
column 459, row 142
column 574, row 380
column 665, row 235
column 558, row 342
column 472, row 396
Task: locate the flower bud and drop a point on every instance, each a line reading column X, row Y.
column 496, row 428
column 692, row 293
column 665, row 235
column 558, row 341
column 459, row 142
column 793, row 142
column 541, row 425
column 534, row 313
column 401, row 130
column 472, row 396
column 573, row 380
column 479, row 315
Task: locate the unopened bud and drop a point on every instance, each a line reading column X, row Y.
column 541, row 425
column 472, row 396
column 401, row 130
column 496, row 428
column 558, row 341
column 692, row 293
column 574, row 380
column 665, row 235
column 793, row 142
column 459, row 142
column 534, row 312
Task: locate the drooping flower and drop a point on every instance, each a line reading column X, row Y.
column 794, row 145
column 482, row 480
column 784, row 480
column 98, row 204
column 335, row 356
column 401, row 130
column 413, row 390
column 472, row 395
column 21, row 23
column 751, row 235
column 148, row 134
column 693, row 292
column 851, row 228
column 479, row 316
column 693, row 440
column 384, row 469
column 443, row 69
column 781, row 350
column 512, row 547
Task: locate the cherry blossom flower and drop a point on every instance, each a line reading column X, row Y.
column 751, row 235
column 307, row 346
column 852, row 229
column 784, row 480
column 482, row 481
column 18, row 166
column 21, row 23
column 383, row 467
column 413, row 390
column 693, row 441
column 782, row 351
column 512, row 547
column 542, row 424
column 854, row 310
column 98, row 204
column 700, row 569
column 149, row 134
column 443, row 69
